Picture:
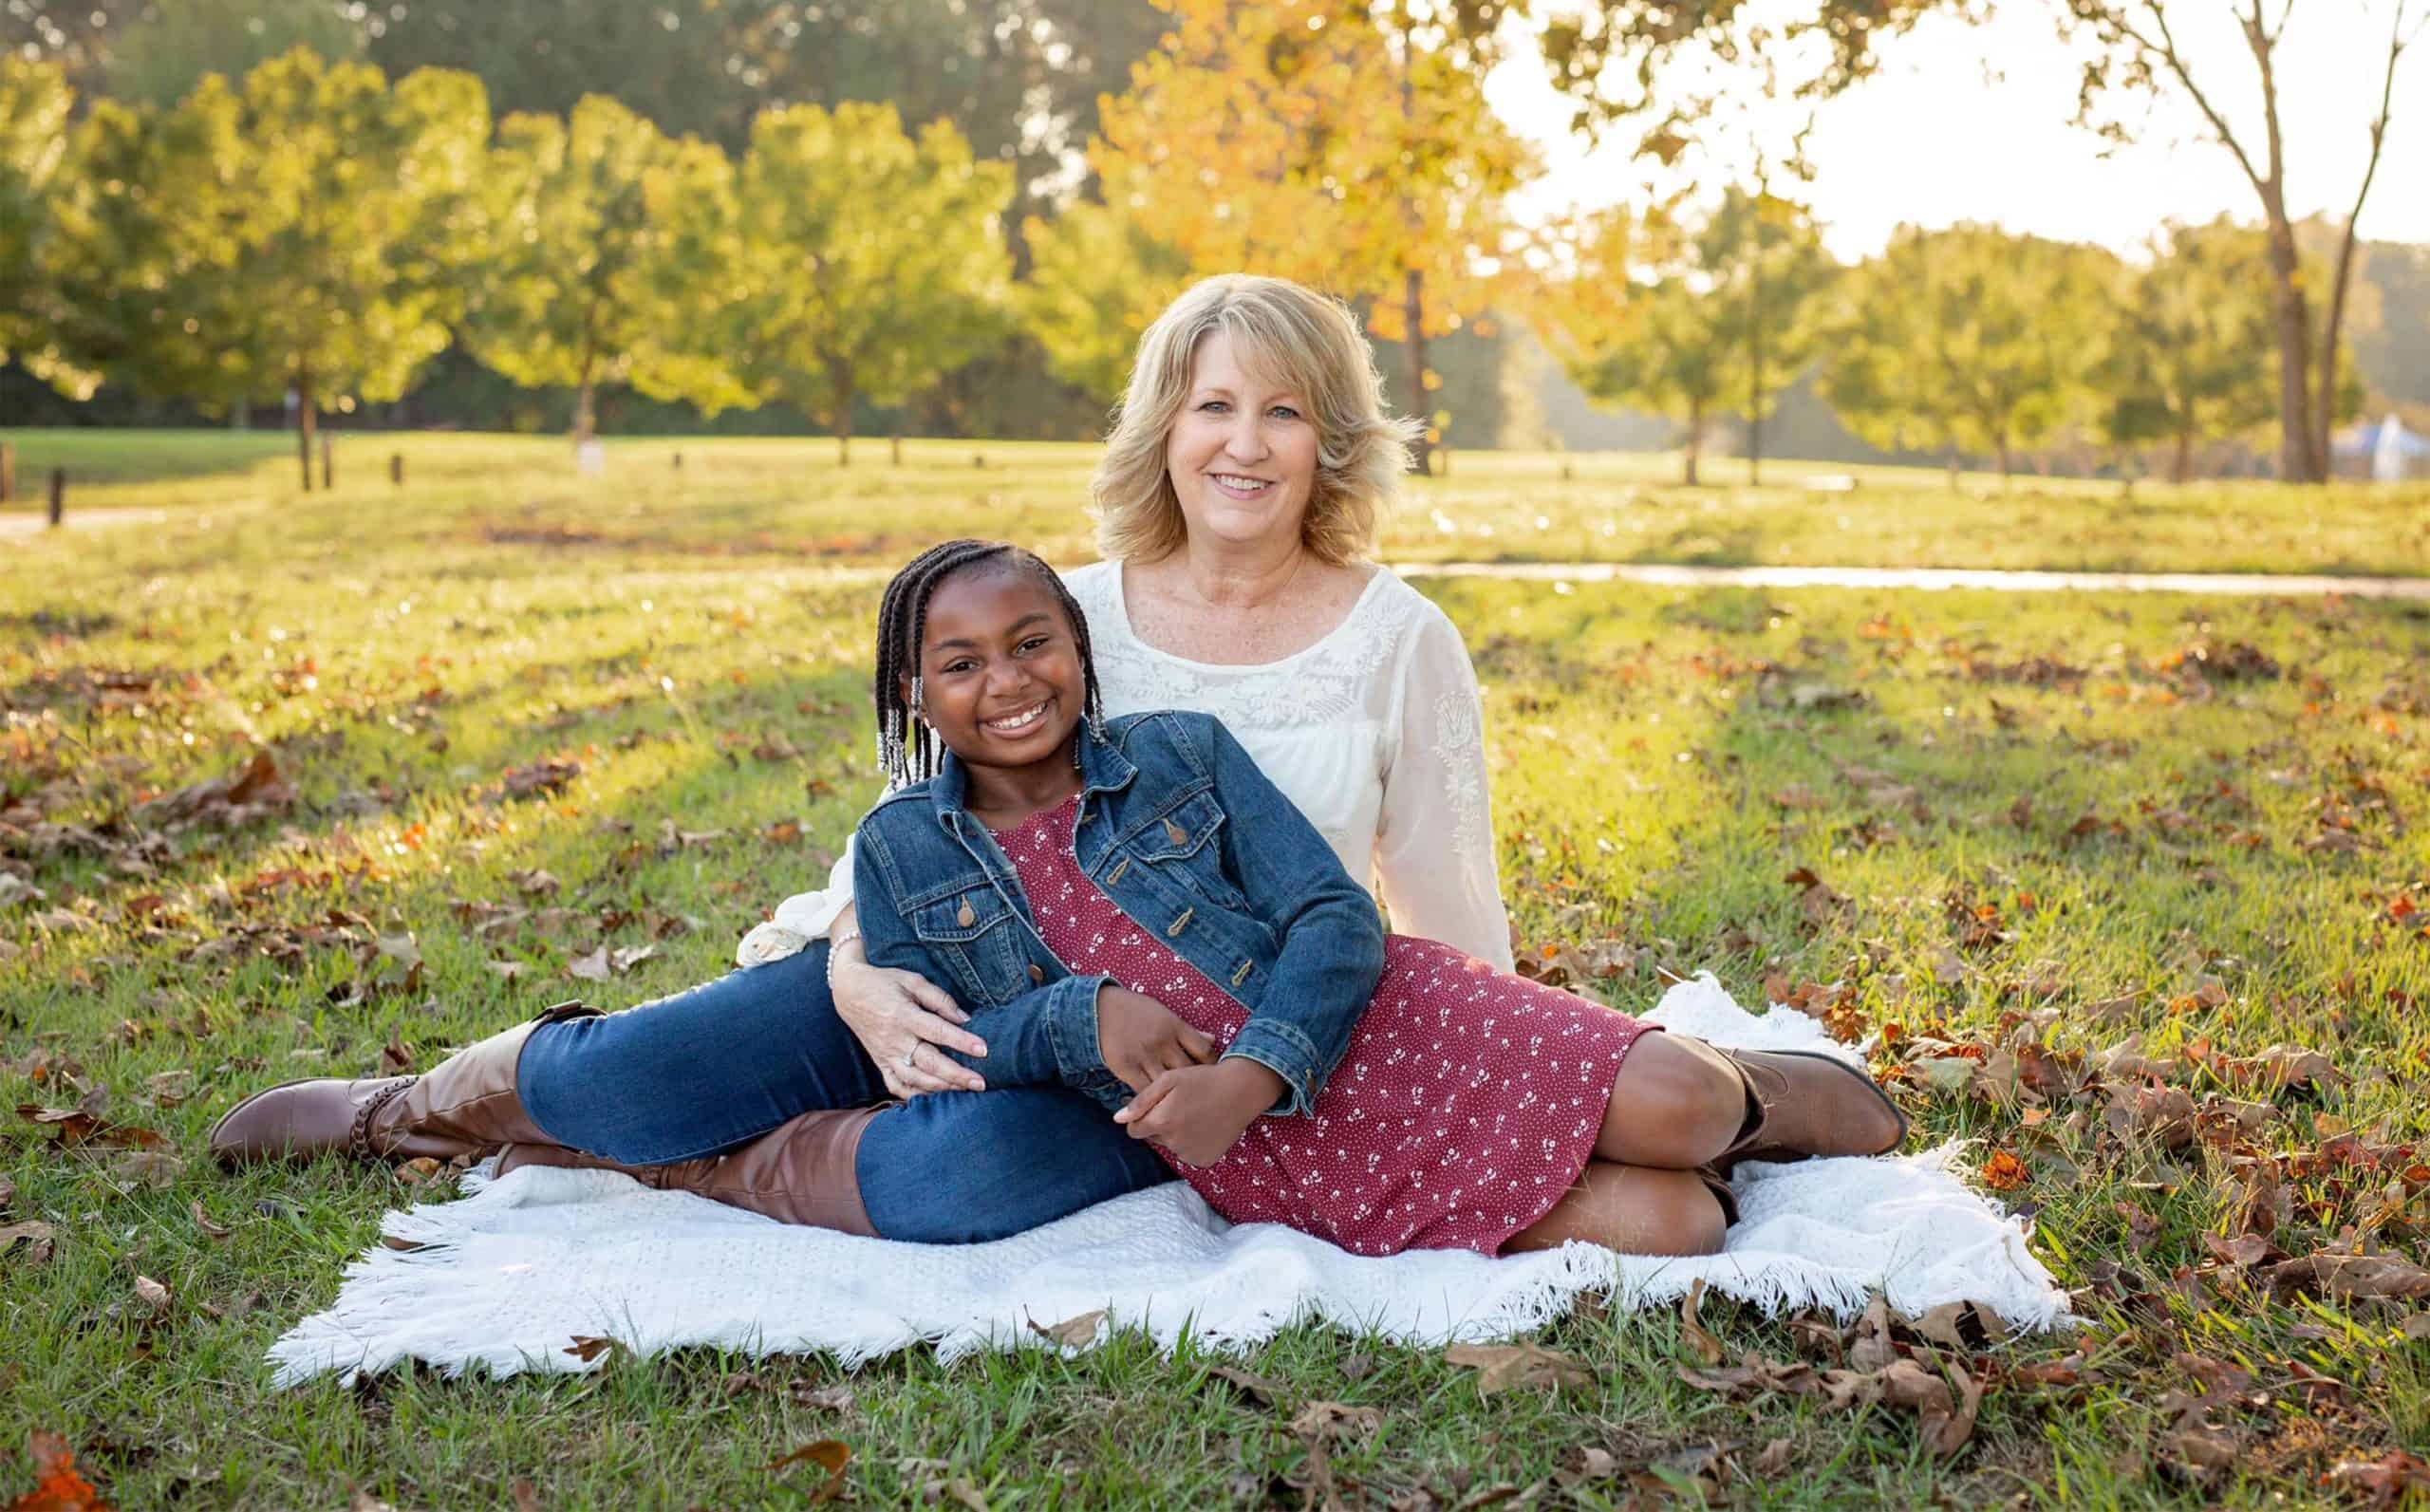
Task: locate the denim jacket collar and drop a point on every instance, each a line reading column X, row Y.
column 1103, row 769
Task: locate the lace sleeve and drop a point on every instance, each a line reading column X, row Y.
column 800, row 919
column 1434, row 851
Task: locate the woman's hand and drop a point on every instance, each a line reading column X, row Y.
column 899, row 1016
column 1200, row 1112
column 1139, row 1037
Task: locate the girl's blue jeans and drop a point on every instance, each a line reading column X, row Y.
column 718, row 1066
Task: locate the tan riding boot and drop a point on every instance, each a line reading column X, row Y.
column 464, row 1106
column 802, row 1171
column 1803, row 1103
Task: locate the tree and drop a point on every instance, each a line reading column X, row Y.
column 2143, row 54
column 2188, row 355
column 1096, row 278
column 863, row 264
column 588, row 287
column 1352, row 150
column 308, row 233
column 1969, row 339
column 1763, row 255
column 34, row 104
column 166, row 50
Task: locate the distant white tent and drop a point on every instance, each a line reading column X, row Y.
column 2390, row 451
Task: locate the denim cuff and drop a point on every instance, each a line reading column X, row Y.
column 1046, row 1037
column 1281, row 1049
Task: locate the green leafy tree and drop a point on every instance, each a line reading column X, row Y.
column 863, row 263
column 308, row 233
column 589, row 279
column 1968, row 340
column 1096, row 278
column 1762, row 255
column 2190, row 350
column 34, row 104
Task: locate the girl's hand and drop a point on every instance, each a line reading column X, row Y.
column 1139, row 1038
column 897, row 1014
column 1199, row 1113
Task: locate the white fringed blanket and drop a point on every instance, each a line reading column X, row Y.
column 510, row 1276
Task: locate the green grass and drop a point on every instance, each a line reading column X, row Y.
column 790, row 498
column 1663, row 760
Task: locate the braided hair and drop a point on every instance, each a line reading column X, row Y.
column 908, row 750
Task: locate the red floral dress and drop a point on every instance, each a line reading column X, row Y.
column 1466, row 1107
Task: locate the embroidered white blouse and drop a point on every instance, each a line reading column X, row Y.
column 1376, row 733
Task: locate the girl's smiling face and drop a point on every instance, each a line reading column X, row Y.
column 1242, row 454
column 1000, row 676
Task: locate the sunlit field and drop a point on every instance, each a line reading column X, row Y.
column 790, row 499
column 2124, row 889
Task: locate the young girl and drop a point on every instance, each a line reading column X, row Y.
column 1133, row 908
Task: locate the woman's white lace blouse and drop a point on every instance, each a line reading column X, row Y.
column 1376, row 733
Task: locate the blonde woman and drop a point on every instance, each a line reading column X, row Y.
column 1237, row 504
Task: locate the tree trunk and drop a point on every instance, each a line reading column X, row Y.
column 2298, row 455
column 1414, row 311
column 2007, row 462
column 1953, row 465
column 586, row 419
column 2180, row 466
column 840, row 376
column 1755, row 364
column 894, row 438
column 303, row 422
column 1696, row 437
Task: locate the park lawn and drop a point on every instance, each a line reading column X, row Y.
column 2004, row 837
column 792, row 498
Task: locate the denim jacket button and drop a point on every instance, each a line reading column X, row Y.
column 1242, row 975
column 1035, row 974
column 1176, row 833
column 1180, row 924
column 1119, row 867
column 968, row 915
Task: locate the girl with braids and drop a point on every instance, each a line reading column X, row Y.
column 1236, row 503
column 1068, row 874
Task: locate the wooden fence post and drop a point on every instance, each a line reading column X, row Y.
column 678, row 461
column 58, row 495
column 328, row 463
column 396, row 468
column 7, row 472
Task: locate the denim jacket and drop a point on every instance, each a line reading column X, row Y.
column 1189, row 839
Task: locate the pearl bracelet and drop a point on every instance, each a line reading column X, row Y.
column 834, row 948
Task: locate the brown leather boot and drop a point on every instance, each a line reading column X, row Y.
column 1802, row 1103
column 464, row 1105
column 802, row 1171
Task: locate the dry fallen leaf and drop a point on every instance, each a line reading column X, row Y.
column 587, row 1348
column 61, row 1489
column 1692, row 1331
column 37, row 1235
column 1255, row 1387
column 831, row 1455
column 1335, row 1420
column 1504, row 1367
column 2341, row 1273
column 2392, row 1478
column 152, row 1295
column 1773, row 1463
column 148, row 1167
column 1967, row 1326
column 202, row 1220
column 593, row 967
column 1073, row 1332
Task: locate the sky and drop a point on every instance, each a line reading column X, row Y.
column 1971, row 123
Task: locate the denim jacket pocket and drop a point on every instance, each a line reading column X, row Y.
column 974, row 932
column 1181, row 843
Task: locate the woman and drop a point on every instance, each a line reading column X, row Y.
column 1236, row 496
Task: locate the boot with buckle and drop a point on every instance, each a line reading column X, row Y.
column 802, row 1171
column 464, row 1106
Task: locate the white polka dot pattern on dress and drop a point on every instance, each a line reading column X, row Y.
column 1466, row 1105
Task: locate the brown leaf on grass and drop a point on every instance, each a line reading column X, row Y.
column 7, row 1191
column 151, row 1169
column 593, row 967
column 167, row 1088
column 154, row 1295
column 1520, row 1365
column 2162, row 1114
column 38, row 1238
column 2283, row 1068
column 540, row 777
column 1251, row 1385
column 1870, row 1347
column 831, row 1455
column 1774, row 1461
column 1817, row 900
column 1946, row 1423
column 229, row 800
column 61, row 1489
column 672, row 838
column 1692, row 1331
column 202, row 1220
column 1797, row 796
column 535, row 883
column 2394, row 1477
column 625, row 957
column 421, row 1170
column 395, row 1056
column 587, row 1347
column 1073, row 1332
column 2196, row 1451
column 526, row 1494
column 2244, row 1251
column 1337, row 1420
column 1972, row 1327
column 506, row 970
column 2338, row 1272
column 79, row 1125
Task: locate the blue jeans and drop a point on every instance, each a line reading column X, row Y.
column 720, row 1065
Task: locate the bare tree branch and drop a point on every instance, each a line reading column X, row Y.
column 2324, row 407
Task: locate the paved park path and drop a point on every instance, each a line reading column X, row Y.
column 2257, row 585
column 17, row 525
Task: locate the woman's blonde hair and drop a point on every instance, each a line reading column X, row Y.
column 1296, row 337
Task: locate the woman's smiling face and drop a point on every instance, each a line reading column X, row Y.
column 1243, row 453
column 1001, row 677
